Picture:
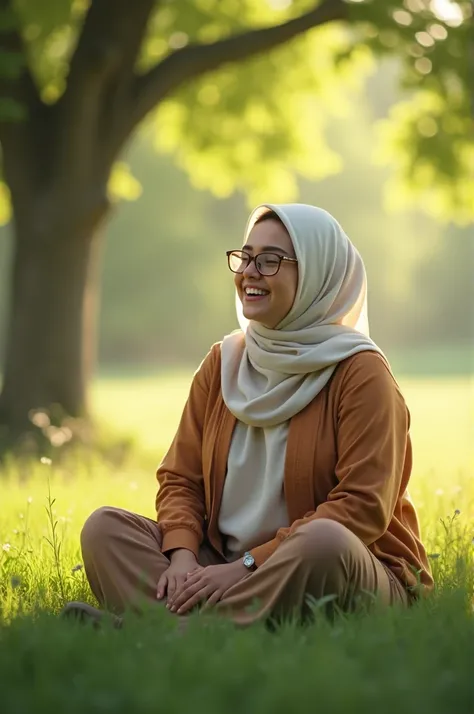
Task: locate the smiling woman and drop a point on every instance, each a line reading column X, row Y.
column 287, row 478
column 266, row 291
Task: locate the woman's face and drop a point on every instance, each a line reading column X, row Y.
column 273, row 306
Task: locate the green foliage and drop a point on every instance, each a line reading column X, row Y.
column 164, row 259
column 437, row 175
column 122, row 185
column 254, row 128
column 159, row 289
column 428, row 138
column 50, row 31
column 257, row 126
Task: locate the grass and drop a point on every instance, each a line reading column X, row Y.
column 420, row 660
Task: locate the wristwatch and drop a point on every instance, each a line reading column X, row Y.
column 249, row 561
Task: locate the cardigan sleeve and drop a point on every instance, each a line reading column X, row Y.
column 373, row 447
column 180, row 502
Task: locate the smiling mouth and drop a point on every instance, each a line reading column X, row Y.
column 254, row 298
column 255, row 294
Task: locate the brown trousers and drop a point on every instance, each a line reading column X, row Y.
column 123, row 563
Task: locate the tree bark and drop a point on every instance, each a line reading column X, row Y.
column 52, row 309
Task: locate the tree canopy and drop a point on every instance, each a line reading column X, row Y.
column 257, row 124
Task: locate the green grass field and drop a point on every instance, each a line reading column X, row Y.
column 421, row 660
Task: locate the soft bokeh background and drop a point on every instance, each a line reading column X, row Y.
column 167, row 294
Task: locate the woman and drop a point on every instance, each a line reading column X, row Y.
column 287, row 478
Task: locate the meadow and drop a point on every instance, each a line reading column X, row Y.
column 421, row 659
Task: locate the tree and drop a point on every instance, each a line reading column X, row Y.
column 77, row 78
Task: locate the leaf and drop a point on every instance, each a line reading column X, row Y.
column 122, row 185
column 316, row 604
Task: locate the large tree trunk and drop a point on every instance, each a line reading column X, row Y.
column 50, row 345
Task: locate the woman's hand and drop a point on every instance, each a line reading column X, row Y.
column 172, row 580
column 207, row 584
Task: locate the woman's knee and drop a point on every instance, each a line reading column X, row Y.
column 99, row 527
column 323, row 541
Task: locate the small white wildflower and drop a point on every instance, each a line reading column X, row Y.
column 44, row 460
column 6, row 547
column 77, row 567
column 133, row 485
column 29, row 499
column 439, row 492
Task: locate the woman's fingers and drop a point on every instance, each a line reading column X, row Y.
column 194, row 599
column 194, row 577
column 180, row 581
column 212, row 600
column 188, row 591
column 172, row 582
column 171, row 587
column 161, row 587
column 215, row 597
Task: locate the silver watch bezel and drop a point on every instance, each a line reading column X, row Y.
column 248, row 560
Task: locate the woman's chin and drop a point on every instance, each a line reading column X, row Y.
column 260, row 316
column 252, row 312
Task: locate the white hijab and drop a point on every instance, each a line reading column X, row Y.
column 269, row 375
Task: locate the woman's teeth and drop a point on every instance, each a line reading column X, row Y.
column 255, row 291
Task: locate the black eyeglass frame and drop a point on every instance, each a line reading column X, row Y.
column 254, row 259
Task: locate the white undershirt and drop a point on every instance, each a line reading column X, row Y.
column 253, row 503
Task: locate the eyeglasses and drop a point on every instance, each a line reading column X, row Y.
column 266, row 263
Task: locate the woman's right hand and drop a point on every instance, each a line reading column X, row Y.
column 182, row 563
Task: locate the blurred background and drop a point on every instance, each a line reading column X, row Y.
column 369, row 119
column 167, row 294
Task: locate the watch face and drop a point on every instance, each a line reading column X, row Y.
column 249, row 561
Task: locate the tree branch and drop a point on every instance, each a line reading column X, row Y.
column 19, row 96
column 103, row 61
column 110, row 39
column 197, row 59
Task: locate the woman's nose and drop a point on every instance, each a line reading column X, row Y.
column 251, row 270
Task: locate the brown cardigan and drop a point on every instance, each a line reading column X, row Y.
column 348, row 458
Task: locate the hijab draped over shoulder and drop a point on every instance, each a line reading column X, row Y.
column 269, row 375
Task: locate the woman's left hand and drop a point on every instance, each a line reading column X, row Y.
column 207, row 584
